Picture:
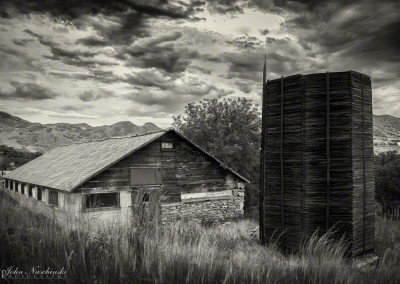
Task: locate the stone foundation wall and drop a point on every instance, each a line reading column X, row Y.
column 206, row 210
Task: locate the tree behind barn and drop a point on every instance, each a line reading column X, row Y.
column 387, row 177
column 229, row 129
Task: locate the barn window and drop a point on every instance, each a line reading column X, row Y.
column 166, row 145
column 22, row 188
column 101, row 200
column 142, row 176
column 6, row 184
column 53, row 197
column 39, row 193
column 30, row 190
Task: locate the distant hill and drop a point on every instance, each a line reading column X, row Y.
column 27, row 136
column 386, row 133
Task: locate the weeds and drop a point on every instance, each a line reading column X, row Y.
column 183, row 252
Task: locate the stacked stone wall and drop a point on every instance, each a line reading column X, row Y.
column 205, row 210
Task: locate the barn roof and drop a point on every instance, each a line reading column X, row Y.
column 67, row 167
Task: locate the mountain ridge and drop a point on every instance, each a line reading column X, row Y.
column 33, row 136
column 36, row 137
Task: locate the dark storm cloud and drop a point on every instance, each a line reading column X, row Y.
column 13, row 59
column 59, row 51
column 94, row 95
column 78, row 61
column 92, row 41
column 131, row 18
column 75, row 107
column 4, row 14
column 75, row 57
column 33, row 34
column 22, row 42
column 285, row 57
column 152, row 99
column 91, row 74
column 226, row 6
column 160, row 81
column 27, row 91
column 163, row 103
column 149, row 78
column 245, row 64
column 361, row 35
column 245, row 42
column 165, row 52
column 72, row 9
column 125, row 29
column 245, row 86
column 367, row 25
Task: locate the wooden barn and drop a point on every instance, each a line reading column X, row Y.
column 317, row 160
column 100, row 181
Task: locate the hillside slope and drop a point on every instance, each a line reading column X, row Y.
column 24, row 135
column 386, row 133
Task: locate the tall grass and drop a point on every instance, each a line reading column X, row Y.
column 182, row 252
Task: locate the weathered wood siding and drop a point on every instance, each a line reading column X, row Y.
column 318, row 160
column 184, row 169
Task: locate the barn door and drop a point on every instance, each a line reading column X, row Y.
column 146, row 205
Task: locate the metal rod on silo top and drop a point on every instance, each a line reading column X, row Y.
column 262, row 154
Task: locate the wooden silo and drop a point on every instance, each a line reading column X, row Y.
column 317, row 160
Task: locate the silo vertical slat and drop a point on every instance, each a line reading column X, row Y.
column 363, row 156
column 328, row 162
column 282, row 172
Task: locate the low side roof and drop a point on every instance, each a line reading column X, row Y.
column 67, row 167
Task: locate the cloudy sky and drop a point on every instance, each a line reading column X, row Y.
column 101, row 62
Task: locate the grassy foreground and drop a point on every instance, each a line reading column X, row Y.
column 183, row 253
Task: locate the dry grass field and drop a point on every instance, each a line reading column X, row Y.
column 183, row 252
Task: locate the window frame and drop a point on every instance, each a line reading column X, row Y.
column 145, row 184
column 52, row 193
column 39, row 193
column 30, row 190
column 86, row 195
column 168, row 139
column 167, row 142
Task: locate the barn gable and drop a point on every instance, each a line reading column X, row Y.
column 68, row 167
column 183, row 168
